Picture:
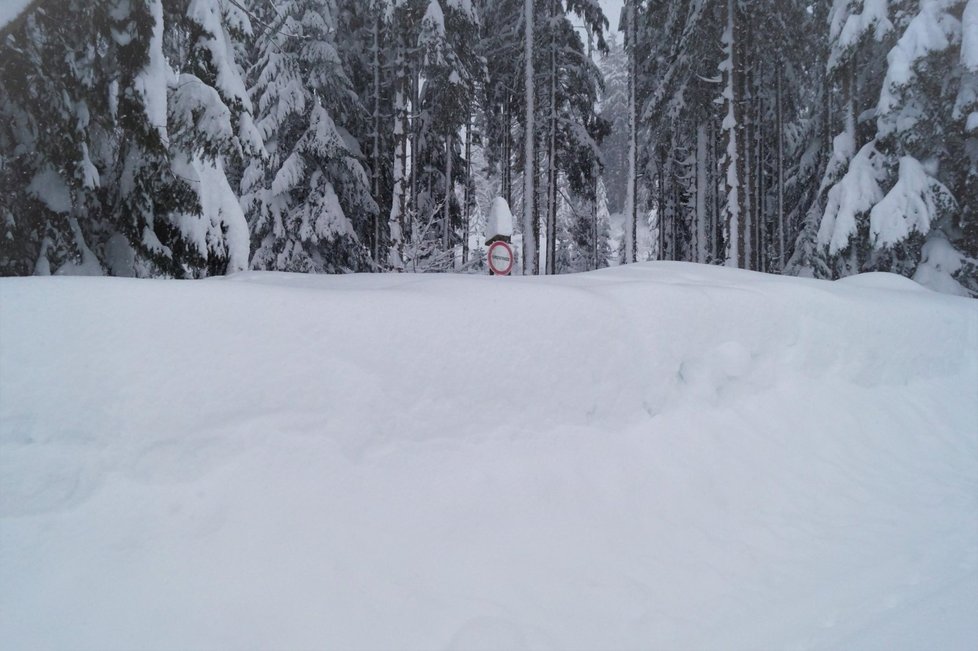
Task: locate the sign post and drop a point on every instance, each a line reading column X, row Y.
column 500, row 258
column 499, row 234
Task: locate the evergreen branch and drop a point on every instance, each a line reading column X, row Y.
column 268, row 26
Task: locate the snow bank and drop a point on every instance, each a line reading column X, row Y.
column 658, row 456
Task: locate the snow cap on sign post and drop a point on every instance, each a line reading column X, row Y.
column 500, row 222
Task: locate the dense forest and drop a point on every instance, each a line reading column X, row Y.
column 189, row 138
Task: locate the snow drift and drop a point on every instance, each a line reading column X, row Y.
column 660, row 456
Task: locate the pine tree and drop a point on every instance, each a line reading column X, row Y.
column 573, row 130
column 451, row 70
column 53, row 118
column 120, row 140
column 613, row 109
column 308, row 198
column 363, row 42
column 903, row 193
column 859, row 35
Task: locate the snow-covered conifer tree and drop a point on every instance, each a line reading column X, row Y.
column 308, row 197
column 904, row 195
column 54, row 125
column 118, row 155
column 613, row 108
column 450, row 69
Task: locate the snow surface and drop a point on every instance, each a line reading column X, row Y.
column 654, row 456
column 939, row 261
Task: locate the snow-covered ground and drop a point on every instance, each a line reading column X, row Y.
column 656, row 456
column 645, row 235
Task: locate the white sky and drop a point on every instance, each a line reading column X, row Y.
column 9, row 9
column 612, row 9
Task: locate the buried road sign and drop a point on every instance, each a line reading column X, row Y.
column 500, row 256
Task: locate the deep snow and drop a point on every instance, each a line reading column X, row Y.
column 656, row 456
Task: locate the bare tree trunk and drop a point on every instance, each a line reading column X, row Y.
column 661, row 218
column 716, row 241
column 759, row 230
column 375, row 154
column 740, row 83
column 507, row 159
column 780, row 127
column 551, row 268
column 733, row 125
column 467, row 208
column 538, row 197
column 593, row 262
column 415, row 114
column 529, row 156
column 701, row 186
column 631, row 198
column 398, row 221
column 749, row 146
column 449, row 187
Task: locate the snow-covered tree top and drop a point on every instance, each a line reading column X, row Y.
column 932, row 30
column 847, row 26
column 969, row 32
column 465, row 6
column 434, row 18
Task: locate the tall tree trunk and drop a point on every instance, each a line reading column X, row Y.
column 529, row 156
column 375, row 154
column 415, row 116
column 661, row 217
column 539, row 196
column 595, row 229
column 467, row 208
column 398, row 222
column 701, row 189
column 507, row 159
column 717, row 246
column 552, row 156
column 733, row 124
column 748, row 144
column 631, row 198
column 826, row 112
column 758, row 176
column 780, row 127
column 449, row 186
column 674, row 215
column 595, row 172
column 740, row 73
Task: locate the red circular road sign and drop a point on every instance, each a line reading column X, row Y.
column 500, row 258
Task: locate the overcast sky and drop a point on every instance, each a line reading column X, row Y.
column 612, row 9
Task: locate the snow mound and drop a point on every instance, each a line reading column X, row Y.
column 500, row 220
column 882, row 280
column 659, row 456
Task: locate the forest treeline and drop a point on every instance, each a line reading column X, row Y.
column 186, row 138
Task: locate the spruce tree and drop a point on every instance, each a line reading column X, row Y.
column 308, row 197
